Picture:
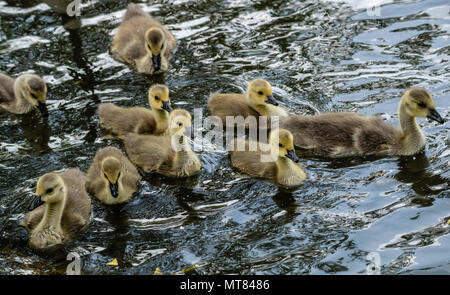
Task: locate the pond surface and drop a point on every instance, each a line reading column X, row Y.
column 319, row 56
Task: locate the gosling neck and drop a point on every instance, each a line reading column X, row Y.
column 262, row 110
column 162, row 119
column 22, row 105
column 180, row 144
column 413, row 138
column 53, row 214
column 284, row 164
column 289, row 173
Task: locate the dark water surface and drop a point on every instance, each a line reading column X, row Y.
column 319, row 56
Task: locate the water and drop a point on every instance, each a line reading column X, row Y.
column 319, row 56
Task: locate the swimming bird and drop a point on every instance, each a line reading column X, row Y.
column 258, row 101
column 121, row 121
column 349, row 134
column 275, row 161
column 23, row 94
column 169, row 155
column 143, row 41
column 60, row 210
column 112, row 178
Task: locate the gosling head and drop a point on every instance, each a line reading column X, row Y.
column 418, row 102
column 34, row 91
column 49, row 189
column 259, row 93
column 282, row 143
column 111, row 173
column 158, row 98
column 155, row 46
column 180, row 122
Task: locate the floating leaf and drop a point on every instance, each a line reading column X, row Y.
column 186, row 270
column 157, row 272
column 113, row 263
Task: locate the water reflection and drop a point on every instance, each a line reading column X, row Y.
column 185, row 197
column 116, row 246
column 22, row 3
column 86, row 77
column 158, row 78
column 37, row 132
column 84, row 74
column 415, row 170
column 339, row 163
column 60, row 7
column 285, row 200
column 158, row 180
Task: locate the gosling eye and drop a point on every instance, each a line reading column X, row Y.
column 156, row 98
column 148, row 46
column 280, row 145
column 162, row 46
column 49, row 191
column 105, row 175
column 33, row 95
column 422, row 104
column 180, row 124
column 260, row 93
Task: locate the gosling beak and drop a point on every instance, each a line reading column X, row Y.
column 434, row 115
column 114, row 188
column 166, row 106
column 35, row 203
column 292, row 155
column 43, row 109
column 271, row 100
column 156, row 60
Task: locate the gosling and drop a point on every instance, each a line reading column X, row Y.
column 349, row 134
column 23, row 94
column 112, row 178
column 276, row 161
column 258, row 101
column 60, row 211
column 143, row 41
column 169, row 155
column 121, row 121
